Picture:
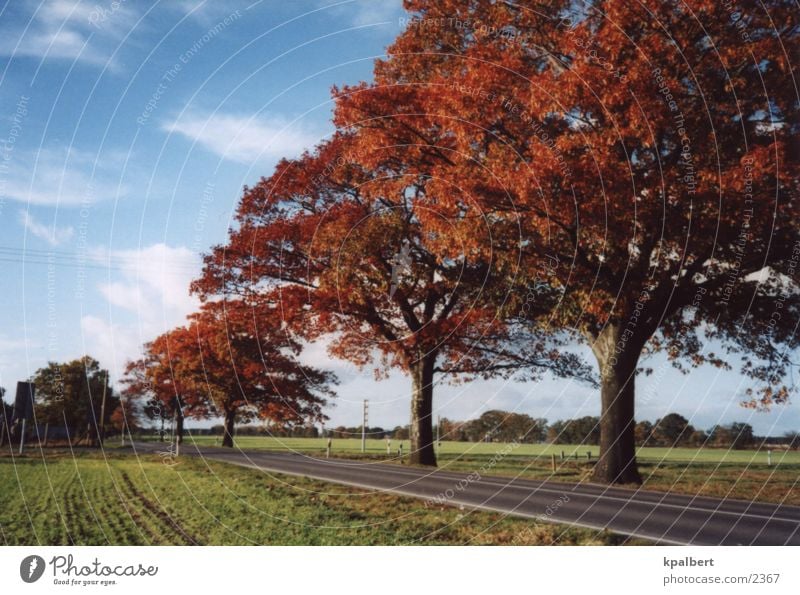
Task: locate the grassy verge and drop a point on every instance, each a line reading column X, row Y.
column 741, row 474
column 544, row 451
column 89, row 499
column 779, row 484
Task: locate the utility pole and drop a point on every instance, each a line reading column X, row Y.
column 101, row 434
column 364, row 428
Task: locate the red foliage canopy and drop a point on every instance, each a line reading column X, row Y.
column 227, row 361
column 649, row 146
column 352, row 246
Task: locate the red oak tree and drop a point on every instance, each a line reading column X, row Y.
column 354, row 248
column 228, row 362
column 651, row 146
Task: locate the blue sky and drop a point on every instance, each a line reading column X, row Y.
column 127, row 130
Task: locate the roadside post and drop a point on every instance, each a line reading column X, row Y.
column 769, row 458
column 175, row 435
column 328, row 449
column 22, row 431
column 388, row 446
column 364, row 427
column 553, row 462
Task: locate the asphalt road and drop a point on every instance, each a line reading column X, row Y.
column 658, row 516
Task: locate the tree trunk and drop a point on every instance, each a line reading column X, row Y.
column 227, row 435
column 617, row 356
column 179, row 428
column 421, row 451
column 92, row 436
column 101, row 431
column 3, row 426
column 177, row 406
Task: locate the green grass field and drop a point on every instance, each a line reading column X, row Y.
column 742, row 474
column 92, row 499
column 353, row 446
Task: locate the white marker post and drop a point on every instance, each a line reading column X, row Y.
column 22, row 436
column 364, row 428
column 769, row 458
column 175, row 438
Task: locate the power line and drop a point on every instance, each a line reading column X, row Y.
column 76, row 260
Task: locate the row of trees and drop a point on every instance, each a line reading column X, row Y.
column 502, row 426
column 490, row 198
column 675, row 430
column 229, row 361
column 671, row 430
column 495, row 426
column 200, row 370
column 77, row 396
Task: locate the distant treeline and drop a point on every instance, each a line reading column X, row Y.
column 502, row 426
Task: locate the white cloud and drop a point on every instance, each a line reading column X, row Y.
column 111, row 341
column 243, row 138
column 209, row 12
column 51, row 234
column 60, row 177
column 148, row 295
column 54, row 44
column 67, row 30
column 153, row 278
column 369, row 12
column 362, row 13
column 10, row 368
column 123, row 295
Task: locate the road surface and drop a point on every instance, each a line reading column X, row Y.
column 662, row 517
